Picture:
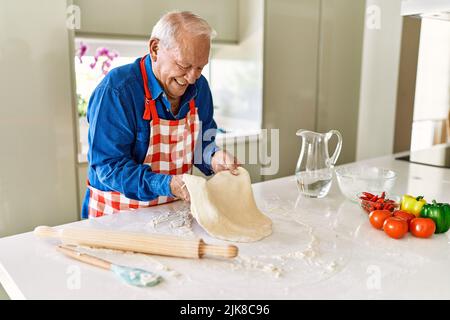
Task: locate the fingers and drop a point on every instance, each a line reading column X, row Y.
column 185, row 193
column 234, row 169
column 178, row 188
column 222, row 160
column 233, row 166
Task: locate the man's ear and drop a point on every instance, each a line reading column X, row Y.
column 153, row 46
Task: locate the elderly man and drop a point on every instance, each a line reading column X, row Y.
column 147, row 119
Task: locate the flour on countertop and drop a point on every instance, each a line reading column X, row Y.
column 276, row 205
column 277, row 264
column 248, row 263
column 178, row 221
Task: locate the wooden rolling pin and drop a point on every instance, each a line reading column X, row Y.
column 164, row 245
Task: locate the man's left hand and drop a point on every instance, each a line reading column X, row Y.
column 222, row 160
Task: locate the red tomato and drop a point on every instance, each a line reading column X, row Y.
column 422, row 227
column 377, row 218
column 404, row 215
column 395, row 227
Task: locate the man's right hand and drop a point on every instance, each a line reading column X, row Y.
column 178, row 188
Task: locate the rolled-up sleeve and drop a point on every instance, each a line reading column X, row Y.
column 112, row 135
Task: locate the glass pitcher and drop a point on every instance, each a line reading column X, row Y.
column 314, row 167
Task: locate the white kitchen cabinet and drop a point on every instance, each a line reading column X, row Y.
column 290, row 74
column 339, row 71
column 312, row 67
column 136, row 18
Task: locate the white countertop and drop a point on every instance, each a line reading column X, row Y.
column 352, row 259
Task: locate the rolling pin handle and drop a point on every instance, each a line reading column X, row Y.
column 229, row 251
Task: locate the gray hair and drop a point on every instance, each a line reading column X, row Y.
column 174, row 23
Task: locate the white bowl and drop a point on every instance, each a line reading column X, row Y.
column 353, row 179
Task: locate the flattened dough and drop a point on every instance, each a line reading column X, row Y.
column 225, row 207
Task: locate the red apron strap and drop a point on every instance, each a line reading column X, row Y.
column 150, row 110
column 148, row 94
column 192, row 115
column 147, row 110
column 192, row 106
column 150, row 105
column 153, row 111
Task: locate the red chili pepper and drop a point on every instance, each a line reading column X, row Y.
column 371, row 202
column 367, row 194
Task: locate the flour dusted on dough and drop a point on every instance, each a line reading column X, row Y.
column 225, row 207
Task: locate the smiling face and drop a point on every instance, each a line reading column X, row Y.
column 177, row 67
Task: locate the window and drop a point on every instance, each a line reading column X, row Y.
column 89, row 72
column 432, row 99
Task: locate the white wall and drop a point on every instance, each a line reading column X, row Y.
column 37, row 164
column 379, row 77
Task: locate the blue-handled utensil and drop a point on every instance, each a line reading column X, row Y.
column 132, row 276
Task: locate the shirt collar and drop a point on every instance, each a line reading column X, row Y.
column 156, row 89
column 154, row 86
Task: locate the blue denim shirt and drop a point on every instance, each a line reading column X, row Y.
column 118, row 136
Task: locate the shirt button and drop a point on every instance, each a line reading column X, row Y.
column 164, row 95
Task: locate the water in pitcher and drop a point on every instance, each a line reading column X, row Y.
column 314, row 184
column 314, row 170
